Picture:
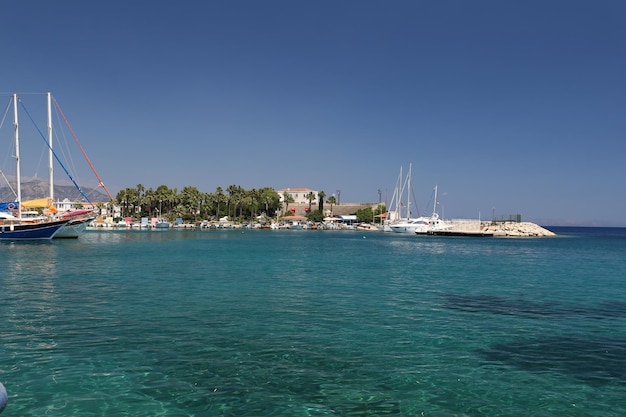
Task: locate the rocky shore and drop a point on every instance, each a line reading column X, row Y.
column 515, row 229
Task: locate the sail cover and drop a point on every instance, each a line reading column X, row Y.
column 38, row 203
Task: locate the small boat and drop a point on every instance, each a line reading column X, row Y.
column 296, row 225
column 162, row 224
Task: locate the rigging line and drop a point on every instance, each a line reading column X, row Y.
column 100, row 182
column 8, row 183
column 6, row 111
column 55, row 154
column 415, row 201
column 10, row 153
column 63, row 145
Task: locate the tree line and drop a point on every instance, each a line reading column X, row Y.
column 234, row 202
column 191, row 204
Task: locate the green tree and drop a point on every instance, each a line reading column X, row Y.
column 270, row 200
column 165, row 197
column 315, row 216
column 365, row 215
column 190, row 201
column 128, row 201
column 380, row 209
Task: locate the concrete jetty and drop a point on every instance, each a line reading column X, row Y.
column 515, row 229
column 495, row 229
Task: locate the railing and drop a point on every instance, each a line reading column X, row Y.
column 516, row 218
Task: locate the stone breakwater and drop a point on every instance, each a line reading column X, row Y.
column 514, row 229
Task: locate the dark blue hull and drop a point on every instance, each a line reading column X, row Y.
column 31, row 231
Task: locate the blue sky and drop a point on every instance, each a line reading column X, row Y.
column 512, row 107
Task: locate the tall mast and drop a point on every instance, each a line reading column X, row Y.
column 17, row 156
column 50, row 155
column 399, row 196
column 408, row 194
column 435, row 203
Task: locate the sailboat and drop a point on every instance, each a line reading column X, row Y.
column 395, row 221
column 15, row 227
column 79, row 219
column 411, row 225
column 432, row 223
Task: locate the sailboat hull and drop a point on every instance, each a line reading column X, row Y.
column 73, row 228
column 31, row 231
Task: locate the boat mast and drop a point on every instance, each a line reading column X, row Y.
column 408, row 194
column 435, row 203
column 17, row 156
column 399, row 195
column 50, row 156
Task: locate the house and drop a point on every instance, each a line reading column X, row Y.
column 299, row 195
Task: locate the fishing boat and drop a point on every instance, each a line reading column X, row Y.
column 14, row 227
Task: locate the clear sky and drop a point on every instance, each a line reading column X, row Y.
column 508, row 106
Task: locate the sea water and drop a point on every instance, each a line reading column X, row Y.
column 314, row 323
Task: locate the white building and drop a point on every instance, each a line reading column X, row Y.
column 108, row 208
column 299, row 195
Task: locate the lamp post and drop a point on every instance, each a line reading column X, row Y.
column 338, row 197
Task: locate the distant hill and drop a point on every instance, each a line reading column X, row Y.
column 39, row 189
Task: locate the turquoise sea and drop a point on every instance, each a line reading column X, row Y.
column 314, row 323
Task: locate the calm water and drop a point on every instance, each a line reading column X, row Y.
column 307, row 323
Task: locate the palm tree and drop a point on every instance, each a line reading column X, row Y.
column 331, row 200
column 270, row 199
column 321, row 195
column 148, row 200
column 127, row 198
column 254, row 202
column 232, row 194
column 287, row 198
column 140, row 190
column 219, row 197
column 310, row 196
